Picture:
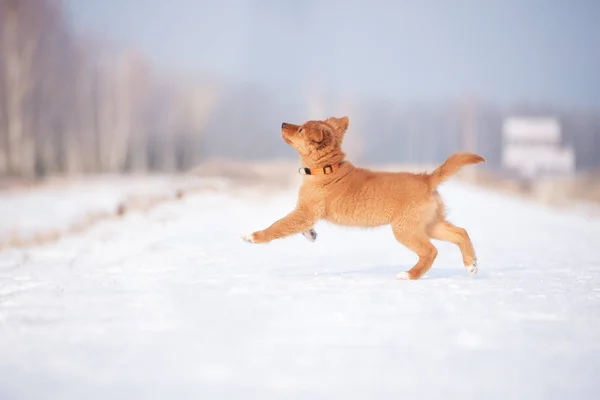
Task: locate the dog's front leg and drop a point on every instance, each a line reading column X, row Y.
column 310, row 235
column 298, row 221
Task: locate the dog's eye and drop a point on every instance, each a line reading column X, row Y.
column 300, row 131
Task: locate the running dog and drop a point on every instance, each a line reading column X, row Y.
column 335, row 190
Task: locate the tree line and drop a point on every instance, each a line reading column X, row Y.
column 69, row 105
column 72, row 105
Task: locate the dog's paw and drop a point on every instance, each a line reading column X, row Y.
column 403, row 276
column 310, row 235
column 251, row 238
column 472, row 269
column 256, row 237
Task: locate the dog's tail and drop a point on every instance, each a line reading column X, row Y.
column 451, row 166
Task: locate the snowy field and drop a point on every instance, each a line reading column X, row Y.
column 62, row 204
column 172, row 304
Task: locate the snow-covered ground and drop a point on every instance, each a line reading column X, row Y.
column 173, row 304
column 60, row 205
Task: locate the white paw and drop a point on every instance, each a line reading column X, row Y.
column 310, row 235
column 249, row 238
column 472, row 269
column 403, row 276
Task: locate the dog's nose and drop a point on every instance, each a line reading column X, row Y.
column 283, row 125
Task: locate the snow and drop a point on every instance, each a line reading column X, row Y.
column 174, row 304
column 58, row 205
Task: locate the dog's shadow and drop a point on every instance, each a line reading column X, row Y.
column 386, row 271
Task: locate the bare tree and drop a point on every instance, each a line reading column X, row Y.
column 197, row 102
column 55, row 122
column 139, row 87
column 85, row 77
column 19, row 47
column 3, row 131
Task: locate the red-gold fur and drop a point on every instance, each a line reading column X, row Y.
column 355, row 196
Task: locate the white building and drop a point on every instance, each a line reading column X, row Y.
column 532, row 147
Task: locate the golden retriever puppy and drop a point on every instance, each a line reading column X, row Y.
column 335, row 190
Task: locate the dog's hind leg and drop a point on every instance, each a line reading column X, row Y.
column 444, row 230
column 420, row 244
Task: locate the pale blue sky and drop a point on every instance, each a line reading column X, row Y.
column 503, row 50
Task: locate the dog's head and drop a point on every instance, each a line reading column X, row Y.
column 317, row 140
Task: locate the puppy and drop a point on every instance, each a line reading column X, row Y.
column 335, row 190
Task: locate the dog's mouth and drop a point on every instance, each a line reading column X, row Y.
column 285, row 133
column 285, row 138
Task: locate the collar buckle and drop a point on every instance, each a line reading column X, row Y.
column 328, row 169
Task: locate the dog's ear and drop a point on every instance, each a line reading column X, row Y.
column 318, row 134
column 339, row 125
